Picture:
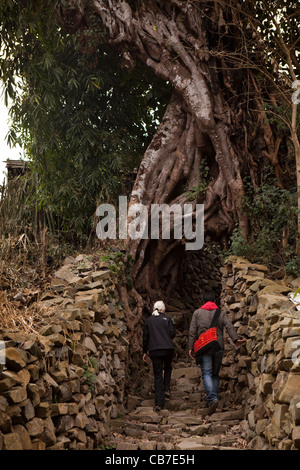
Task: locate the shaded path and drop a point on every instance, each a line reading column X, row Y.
column 184, row 423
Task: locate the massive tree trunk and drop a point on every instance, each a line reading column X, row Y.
column 170, row 38
column 203, row 126
column 170, row 169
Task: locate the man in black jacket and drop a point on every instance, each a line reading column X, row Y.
column 158, row 335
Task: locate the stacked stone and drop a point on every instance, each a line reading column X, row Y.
column 184, row 423
column 267, row 369
column 61, row 385
column 200, row 272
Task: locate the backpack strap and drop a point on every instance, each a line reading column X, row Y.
column 215, row 318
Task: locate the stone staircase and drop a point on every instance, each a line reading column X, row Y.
column 184, row 423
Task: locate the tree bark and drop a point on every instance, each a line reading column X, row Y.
column 207, row 124
column 171, row 38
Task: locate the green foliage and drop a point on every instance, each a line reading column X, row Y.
column 85, row 122
column 17, row 209
column 21, row 223
column 297, row 292
column 292, row 265
column 106, row 446
column 201, row 187
column 120, row 264
column 273, row 226
column 278, row 116
column 93, row 362
column 90, row 378
column 82, row 119
column 90, row 373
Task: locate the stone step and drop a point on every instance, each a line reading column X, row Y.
column 228, row 415
column 176, row 442
column 174, row 405
column 186, row 372
column 141, row 444
column 184, row 423
column 190, row 444
column 183, row 428
column 190, row 417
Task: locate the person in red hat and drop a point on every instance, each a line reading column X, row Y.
column 210, row 361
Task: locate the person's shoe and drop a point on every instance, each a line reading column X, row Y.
column 157, row 408
column 212, row 407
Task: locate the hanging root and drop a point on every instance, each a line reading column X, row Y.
column 133, row 306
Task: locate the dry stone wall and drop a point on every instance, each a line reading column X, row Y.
column 199, row 273
column 267, row 368
column 61, row 384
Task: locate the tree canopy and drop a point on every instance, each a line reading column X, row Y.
column 91, row 79
column 83, row 119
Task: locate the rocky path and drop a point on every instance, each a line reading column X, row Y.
column 184, row 424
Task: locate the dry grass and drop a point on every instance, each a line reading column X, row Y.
column 21, row 283
column 15, row 319
column 25, row 269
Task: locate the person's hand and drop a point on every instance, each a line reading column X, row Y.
column 145, row 357
column 191, row 354
column 239, row 342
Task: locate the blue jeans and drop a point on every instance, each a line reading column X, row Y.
column 210, row 365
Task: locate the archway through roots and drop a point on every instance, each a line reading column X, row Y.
column 196, row 273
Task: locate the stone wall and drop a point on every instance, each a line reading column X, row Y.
column 266, row 369
column 62, row 383
column 200, row 272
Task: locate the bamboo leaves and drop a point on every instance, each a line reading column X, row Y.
column 83, row 121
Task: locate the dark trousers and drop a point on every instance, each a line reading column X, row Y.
column 162, row 370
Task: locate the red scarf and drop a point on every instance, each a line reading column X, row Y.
column 209, row 306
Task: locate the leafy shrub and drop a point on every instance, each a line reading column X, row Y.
column 273, row 227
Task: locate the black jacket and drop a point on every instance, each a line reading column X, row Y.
column 159, row 332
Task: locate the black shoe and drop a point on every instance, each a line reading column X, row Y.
column 212, row 407
column 157, row 408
